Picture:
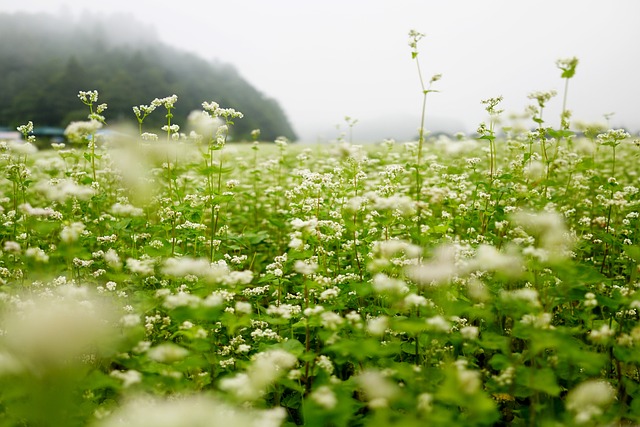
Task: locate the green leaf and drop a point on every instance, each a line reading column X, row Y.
column 410, row 326
column 408, row 347
column 487, row 137
column 560, row 133
column 293, row 346
column 499, row 362
column 633, row 252
column 493, row 341
column 538, row 379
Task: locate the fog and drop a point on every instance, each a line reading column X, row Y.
column 325, row 60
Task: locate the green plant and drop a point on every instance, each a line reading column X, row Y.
column 294, row 280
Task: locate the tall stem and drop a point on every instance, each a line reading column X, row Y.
column 420, row 134
column 492, row 153
column 606, row 246
column 93, row 155
column 355, row 228
column 564, row 124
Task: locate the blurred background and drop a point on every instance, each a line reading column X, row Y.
column 297, row 68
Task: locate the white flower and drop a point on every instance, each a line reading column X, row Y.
column 488, row 258
column 72, row 232
column 88, row 96
column 391, row 248
column 296, row 244
column 266, row 368
column 539, row 321
column 11, row 246
column 324, row 397
column 525, row 294
column 128, row 378
column 601, row 335
column 167, row 353
column 286, row 311
column 63, row 189
column 168, row 102
column 26, row 129
column 589, row 399
column 120, row 209
column 53, row 330
column 414, row 300
column 130, row 320
column 534, row 170
column 171, row 129
column 305, row 268
column 37, row 254
column 194, row 411
column 112, row 258
column 144, row 267
column 329, row 294
column 377, row 325
column 469, row 380
column 312, row 311
column 440, row 270
column 44, row 212
column 470, row 332
column 183, row 299
column 438, row 323
column 323, row 362
column 331, row 320
column 79, row 132
column 281, row 141
column 424, row 402
column 22, row 148
column 384, row 283
column 217, row 272
column 378, row 389
column 243, row 307
column 549, row 231
column 404, row 205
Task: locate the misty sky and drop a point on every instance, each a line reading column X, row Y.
column 323, row 60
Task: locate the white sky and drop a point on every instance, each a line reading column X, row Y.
column 325, row 59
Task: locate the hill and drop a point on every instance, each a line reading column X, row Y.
column 46, row 59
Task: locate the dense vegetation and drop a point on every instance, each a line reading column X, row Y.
column 45, row 60
column 179, row 281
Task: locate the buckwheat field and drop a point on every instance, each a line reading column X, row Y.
column 164, row 278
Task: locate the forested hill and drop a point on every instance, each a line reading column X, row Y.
column 46, row 59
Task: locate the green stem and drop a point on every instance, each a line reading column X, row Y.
column 425, row 91
column 420, row 131
column 492, row 152
column 307, row 341
column 607, row 229
column 169, row 176
column 355, row 245
column 93, row 155
column 564, row 124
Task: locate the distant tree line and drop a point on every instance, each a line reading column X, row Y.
column 46, row 59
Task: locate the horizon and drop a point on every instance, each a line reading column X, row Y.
column 331, row 60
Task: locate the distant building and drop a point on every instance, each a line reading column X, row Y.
column 48, row 132
column 7, row 134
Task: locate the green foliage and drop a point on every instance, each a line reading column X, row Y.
column 183, row 281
